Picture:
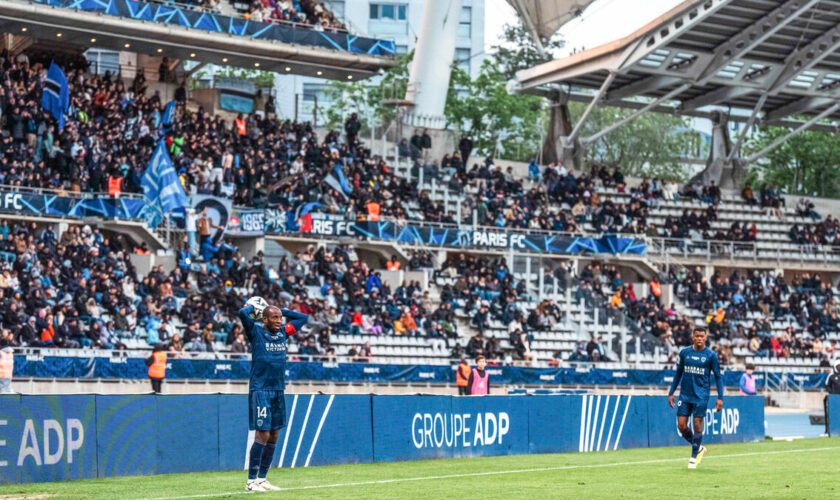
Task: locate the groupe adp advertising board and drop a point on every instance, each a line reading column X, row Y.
column 59, row 438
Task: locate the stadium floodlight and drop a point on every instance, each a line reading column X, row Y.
column 224, row 59
column 256, row 65
column 127, row 45
column 93, row 40
column 58, row 35
column 24, row 29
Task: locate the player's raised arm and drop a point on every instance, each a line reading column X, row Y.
column 676, row 381
column 247, row 321
column 250, row 313
column 296, row 321
column 718, row 381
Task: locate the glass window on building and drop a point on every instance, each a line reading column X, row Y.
column 313, row 91
column 402, row 49
column 465, row 23
column 389, row 11
column 336, row 7
column 462, row 57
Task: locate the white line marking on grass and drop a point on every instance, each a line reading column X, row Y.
column 502, row 473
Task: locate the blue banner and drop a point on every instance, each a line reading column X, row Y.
column 55, row 96
column 833, row 415
column 228, row 25
column 278, row 222
column 52, row 438
column 54, row 433
column 742, row 419
column 47, row 205
column 239, row 369
column 421, row 427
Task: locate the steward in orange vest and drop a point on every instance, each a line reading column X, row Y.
column 462, row 377
column 115, row 185
column 373, row 209
column 157, row 367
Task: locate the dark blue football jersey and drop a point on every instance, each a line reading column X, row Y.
column 268, row 350
column 694, row 375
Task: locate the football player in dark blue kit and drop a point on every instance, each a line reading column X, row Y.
column 695, row 368
column 266, row 404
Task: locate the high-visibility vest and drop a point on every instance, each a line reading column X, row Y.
column 48, row 334
column 655, row 289
column 115, row 186
column 373, row 211
column 240, row 127
column 393, row 265
column 7, row 364
column 480, row 385
column 158, row 367
column 462, row 379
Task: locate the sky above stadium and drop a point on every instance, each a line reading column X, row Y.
column 602, row 22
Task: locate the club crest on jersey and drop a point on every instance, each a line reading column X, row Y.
column 703, row 359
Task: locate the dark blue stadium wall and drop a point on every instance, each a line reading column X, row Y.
column 200, row 369
column 55, row 438
column 834, row 416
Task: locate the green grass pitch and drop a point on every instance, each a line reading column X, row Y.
column 798, row 469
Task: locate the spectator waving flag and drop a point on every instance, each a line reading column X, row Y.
column 162, row 189
column 168, row 114
column 342, row 179
column 55, row 97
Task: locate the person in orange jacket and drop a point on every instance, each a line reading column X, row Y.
column 157, row 367
column 462, row 377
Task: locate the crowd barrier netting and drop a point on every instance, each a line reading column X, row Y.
column 55, row 438
column 239, row 369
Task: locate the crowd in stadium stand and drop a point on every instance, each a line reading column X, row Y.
column 51, row 299
column 304, row 12
column 740, row 309
column 259, row 160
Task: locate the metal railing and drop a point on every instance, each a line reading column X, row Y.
column 82, row 195
column 688, row 249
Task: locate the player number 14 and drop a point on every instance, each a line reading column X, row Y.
column 262, row 411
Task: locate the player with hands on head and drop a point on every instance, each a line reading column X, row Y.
column 267, row 328
column 695, row 368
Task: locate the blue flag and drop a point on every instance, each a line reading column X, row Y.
column 342, row 179
column 168, row 114
column 55, row 97
column 162, row 189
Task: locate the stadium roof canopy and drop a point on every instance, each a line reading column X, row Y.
column 545, row 17
column 95, row 24
column 779, row 58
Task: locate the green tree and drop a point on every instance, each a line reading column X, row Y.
column 654, row 144
column 262, row 79
column 499, row 123
column 517, row 50
column 805, row 164
column 371, row 99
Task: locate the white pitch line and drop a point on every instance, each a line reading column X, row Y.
column 502, row 473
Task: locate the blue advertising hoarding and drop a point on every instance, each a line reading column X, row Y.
column 239, row 369
column 833, row 415
column 55, row 438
